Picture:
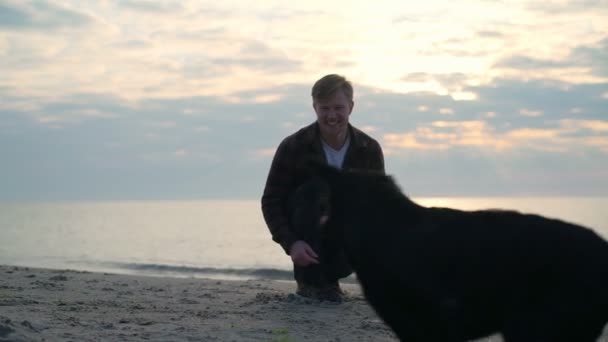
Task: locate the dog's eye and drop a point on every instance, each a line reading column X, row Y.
column 324, row 208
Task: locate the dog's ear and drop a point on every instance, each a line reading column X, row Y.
column 308, row 164
column 328, row 173
column 311, row 166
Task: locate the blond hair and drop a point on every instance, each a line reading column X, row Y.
column 328, row 85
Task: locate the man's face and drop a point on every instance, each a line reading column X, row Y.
column 333, row 114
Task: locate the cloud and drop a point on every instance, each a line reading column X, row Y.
column 567, row 7
column 457, row 47
column 258, row 56
column 568, row 135
column 594, row 57
column 532, row 134
column 267, row 98
column 580, row 63
column 449, row 81
column 181, row 153
column 443, row 135
column 530, row 63
column 492, row 34
column 508, row 97
column 289, row 13
column 256, row 64
column 596, row 126
column 78, row 107
column 446, row 111
column 201, row 49
column 263, row 154
column 528, row 112
column 148, row 6
column 177, row 56
column 41, row 15
column 70, row 117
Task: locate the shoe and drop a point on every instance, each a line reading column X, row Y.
column 308, row 291
column 332, row 293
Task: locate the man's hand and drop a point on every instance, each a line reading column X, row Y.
column 302, row 254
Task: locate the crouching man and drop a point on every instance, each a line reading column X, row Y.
column 333, row 140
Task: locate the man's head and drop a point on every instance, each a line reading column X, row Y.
column 332, row 99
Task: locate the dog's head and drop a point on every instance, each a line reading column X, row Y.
column 322, row 207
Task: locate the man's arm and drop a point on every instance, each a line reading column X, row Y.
column 276, row 192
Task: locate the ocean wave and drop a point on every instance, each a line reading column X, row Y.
column 204, row 272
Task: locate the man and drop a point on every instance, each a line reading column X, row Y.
column 332, row 139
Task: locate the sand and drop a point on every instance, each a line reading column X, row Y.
column 62, row 305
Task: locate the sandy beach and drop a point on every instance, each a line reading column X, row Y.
column 63, row 305
column 53, row 305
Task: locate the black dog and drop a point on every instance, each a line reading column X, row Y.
column 438, row 274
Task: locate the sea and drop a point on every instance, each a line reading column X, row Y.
column 220, row 239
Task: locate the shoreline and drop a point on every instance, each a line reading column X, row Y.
column 177, row 271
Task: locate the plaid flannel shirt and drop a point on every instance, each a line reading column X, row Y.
column 286, row 173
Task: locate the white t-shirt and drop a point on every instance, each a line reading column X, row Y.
column 335, row 158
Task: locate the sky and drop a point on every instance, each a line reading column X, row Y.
column 134, row 99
